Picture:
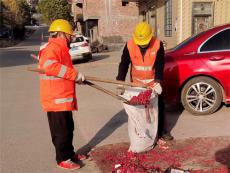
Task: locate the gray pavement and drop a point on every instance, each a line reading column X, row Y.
column 26, row 145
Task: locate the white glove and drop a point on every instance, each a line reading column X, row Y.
column 80, row 78
column 120, row 90
column 157, row 88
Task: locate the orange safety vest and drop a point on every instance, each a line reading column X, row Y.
column 57, row 86
column 142, row 71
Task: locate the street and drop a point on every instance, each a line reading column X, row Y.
column 26, row 144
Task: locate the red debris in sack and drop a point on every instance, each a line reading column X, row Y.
column 143, row 98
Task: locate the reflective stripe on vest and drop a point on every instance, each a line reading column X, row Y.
column 49, row 62
column 143, row 68
column 44, row 77
column 63, row 100
column 43, row 46
column 144, row 81
column 62, row 71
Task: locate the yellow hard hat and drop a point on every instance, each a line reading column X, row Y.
column 61, row 25
column 143, row 33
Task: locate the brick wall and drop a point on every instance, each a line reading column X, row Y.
column 115, row 22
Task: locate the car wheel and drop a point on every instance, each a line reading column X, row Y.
column 201, row 96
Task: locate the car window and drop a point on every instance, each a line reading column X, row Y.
column 220, row 41
column 77, row 39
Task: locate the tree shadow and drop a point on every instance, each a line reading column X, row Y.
column 115, row 122
column 39, row 36
column 223, row 156
column 98, row 57
column 20, row 53
column 16, row 57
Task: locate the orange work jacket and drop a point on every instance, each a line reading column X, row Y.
column 57, row 86
column 142, row 70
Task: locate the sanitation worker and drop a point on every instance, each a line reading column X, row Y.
column 146, row 55
column 57, row 90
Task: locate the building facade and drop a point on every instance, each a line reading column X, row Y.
column 107, row 21
column 113, row 21
column 176, row 20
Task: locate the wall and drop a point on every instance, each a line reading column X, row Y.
column 170, row 41
column 221, row 15
column 182, row 23
column 115, row 22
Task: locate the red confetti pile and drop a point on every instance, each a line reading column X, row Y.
column 143, row 98
column 198, row 155
column 131, row 163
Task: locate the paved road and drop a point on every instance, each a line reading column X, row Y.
column 25, row 141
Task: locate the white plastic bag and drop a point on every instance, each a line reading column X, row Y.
column 142, row 121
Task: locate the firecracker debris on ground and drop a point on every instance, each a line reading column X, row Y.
column 198, row 155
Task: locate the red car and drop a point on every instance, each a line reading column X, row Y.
column 197, row 71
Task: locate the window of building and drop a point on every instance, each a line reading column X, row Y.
column 124, row 2
column 220, row 41
column 202, row 16
column 168, row 18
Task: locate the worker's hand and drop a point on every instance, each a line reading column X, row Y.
column 157, row 88
column 80, row 78
column 120, row 90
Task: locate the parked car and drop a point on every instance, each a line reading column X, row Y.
column 197, row 71
column 80, row 48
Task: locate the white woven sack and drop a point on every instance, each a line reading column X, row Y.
column 142, row 132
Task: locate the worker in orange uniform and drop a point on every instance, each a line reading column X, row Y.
column 57, row 90
column 146, row 55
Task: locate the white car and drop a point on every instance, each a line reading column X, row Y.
column 80, row 48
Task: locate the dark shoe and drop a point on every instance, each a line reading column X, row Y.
column 166, row 137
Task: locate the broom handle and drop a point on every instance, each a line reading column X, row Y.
column 88, row 83
column 96, row 79
column 36, row 70
column 105, row 91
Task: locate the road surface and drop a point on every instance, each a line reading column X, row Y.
column 26, row 145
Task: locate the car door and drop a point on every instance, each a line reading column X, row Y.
column 215, row 53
